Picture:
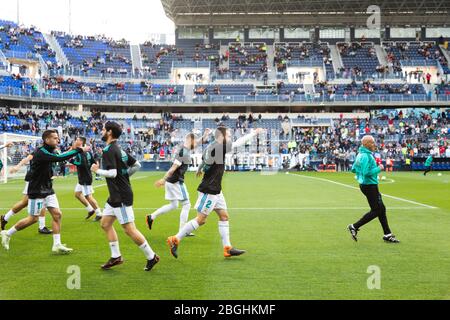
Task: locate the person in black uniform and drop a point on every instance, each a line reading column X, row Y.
column 210, row 196
column 84, row 190
column 40, row 190
column 118, row 167
column 173, row 181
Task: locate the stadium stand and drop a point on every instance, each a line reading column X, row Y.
column 96, row 55
column 20, row 42
column 360, row 58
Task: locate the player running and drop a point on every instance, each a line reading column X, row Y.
column 23, row 203
column 173, row 181
column 40, row 190
column 367, row 172
column 210, row 196
column 428, row 164
column 118, row 167
column 84, row 190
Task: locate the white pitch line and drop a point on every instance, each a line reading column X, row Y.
column 353, row 187
column 272, row 209
column 387, row 181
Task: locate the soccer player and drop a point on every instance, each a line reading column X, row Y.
column 40, row 190
column 118, row 167
column 428, row 164
column 210, row 196
column 23, row 203
column 84, row 190
column 173, row 181
column 367, row 172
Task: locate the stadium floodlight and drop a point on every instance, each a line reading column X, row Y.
column 23, row 146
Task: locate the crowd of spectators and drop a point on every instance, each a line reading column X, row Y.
column 400, row 134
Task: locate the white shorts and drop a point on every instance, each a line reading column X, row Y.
column 176, row 191
column 123, row 214
column 206, row 203
column 35, row 205
column 84, row 189
column 25, row 190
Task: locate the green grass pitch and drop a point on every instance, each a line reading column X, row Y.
column 293, row 226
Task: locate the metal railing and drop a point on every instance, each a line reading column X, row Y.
column 25, row 55
column 418, row 63
column 284, row 99
column 191, row 64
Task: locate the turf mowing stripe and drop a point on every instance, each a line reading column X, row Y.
column 353, row 187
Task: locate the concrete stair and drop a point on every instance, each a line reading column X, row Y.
column 136, row 58
column 54, row 45
column 189, row 93
column 337, row 59
column 272, row 70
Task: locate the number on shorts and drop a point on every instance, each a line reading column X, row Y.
column 208, row 204
column 39, row 205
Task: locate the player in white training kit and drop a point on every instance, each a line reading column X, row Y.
column 210, row 196
column 173, row 181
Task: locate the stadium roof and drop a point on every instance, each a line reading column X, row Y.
column 304, row 13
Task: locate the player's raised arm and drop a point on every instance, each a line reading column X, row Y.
column 243, row 140
column 23, row 162
column 45, row 155
column 7, row 145
column 205, row 136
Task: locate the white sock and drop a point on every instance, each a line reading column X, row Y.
column 98, row 212
column 147, row 250
column 89, row 208
column 189, row 227
column 224, row 230
column 115, row 250
column 165, row 209
column 8, row 215
column 56, row 239
column 41, row 223
column 184, row 215
column 11, row 231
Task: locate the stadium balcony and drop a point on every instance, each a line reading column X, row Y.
column 115, row 92
column 96, row 56
column 372, row 92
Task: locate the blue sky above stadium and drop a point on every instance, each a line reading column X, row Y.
column 135, row 20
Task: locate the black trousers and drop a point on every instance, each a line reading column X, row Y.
column 377, row 208
column 427, row 169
